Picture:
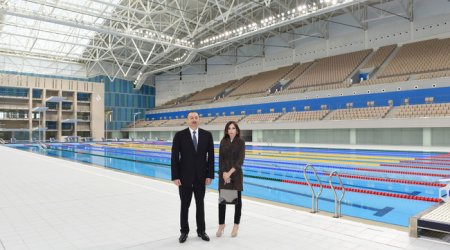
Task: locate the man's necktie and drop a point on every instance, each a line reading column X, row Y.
column 194, row 140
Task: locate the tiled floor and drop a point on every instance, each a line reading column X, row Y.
column 48, row 203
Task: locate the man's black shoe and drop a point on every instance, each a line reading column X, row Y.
column 204, row 236
column 183, row 237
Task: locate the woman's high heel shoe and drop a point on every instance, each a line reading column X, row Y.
column 220, row 230
column 234, row 233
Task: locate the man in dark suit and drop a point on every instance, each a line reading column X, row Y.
column 192, row 167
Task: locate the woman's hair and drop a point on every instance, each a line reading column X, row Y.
column 238, row 131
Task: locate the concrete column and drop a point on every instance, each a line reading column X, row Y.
column 412, row 31
column 59, row 124
column 44, row 114
column 297, row 136
column 352, row 136
column 75, row 115
column 221, row 134
column 257, row 135
column 30, row 114
column 366, row 39
column 426, row 135
column 328, row 47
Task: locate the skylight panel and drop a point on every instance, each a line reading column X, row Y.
column 44, row 37
column 11, row 41
column 47, row 45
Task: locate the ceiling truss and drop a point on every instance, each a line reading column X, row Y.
column 156, row 36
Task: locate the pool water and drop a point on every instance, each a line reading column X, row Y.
column 383, row 186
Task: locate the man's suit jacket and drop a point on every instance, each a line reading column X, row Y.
column 189, row 165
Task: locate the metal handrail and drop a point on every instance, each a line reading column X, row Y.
column 314, row 198
column 444, row 192
column 42, row 146
column 337, row 202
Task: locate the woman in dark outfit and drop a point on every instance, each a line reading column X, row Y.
column 231, row 158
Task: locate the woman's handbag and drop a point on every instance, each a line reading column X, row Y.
column 228, row 196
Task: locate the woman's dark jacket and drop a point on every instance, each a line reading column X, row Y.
column 231, row 155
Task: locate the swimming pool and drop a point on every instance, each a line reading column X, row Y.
column 383, row 186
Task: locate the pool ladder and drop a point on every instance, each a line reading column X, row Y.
column 315, row 198
column 337, row 202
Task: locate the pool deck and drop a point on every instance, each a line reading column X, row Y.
column 48, row 203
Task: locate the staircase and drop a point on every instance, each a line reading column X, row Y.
column 392, row 112
column 328, row 115
column 359, row 66
column 386, row 62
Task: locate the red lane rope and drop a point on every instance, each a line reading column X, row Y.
column 401, row 172
column 356, row 190
column 423, row 183
column 416, row 167
column 434, row 159
column 426, row 162
column 447, row 156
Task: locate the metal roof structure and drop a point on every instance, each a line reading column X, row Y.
column 155, row 36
